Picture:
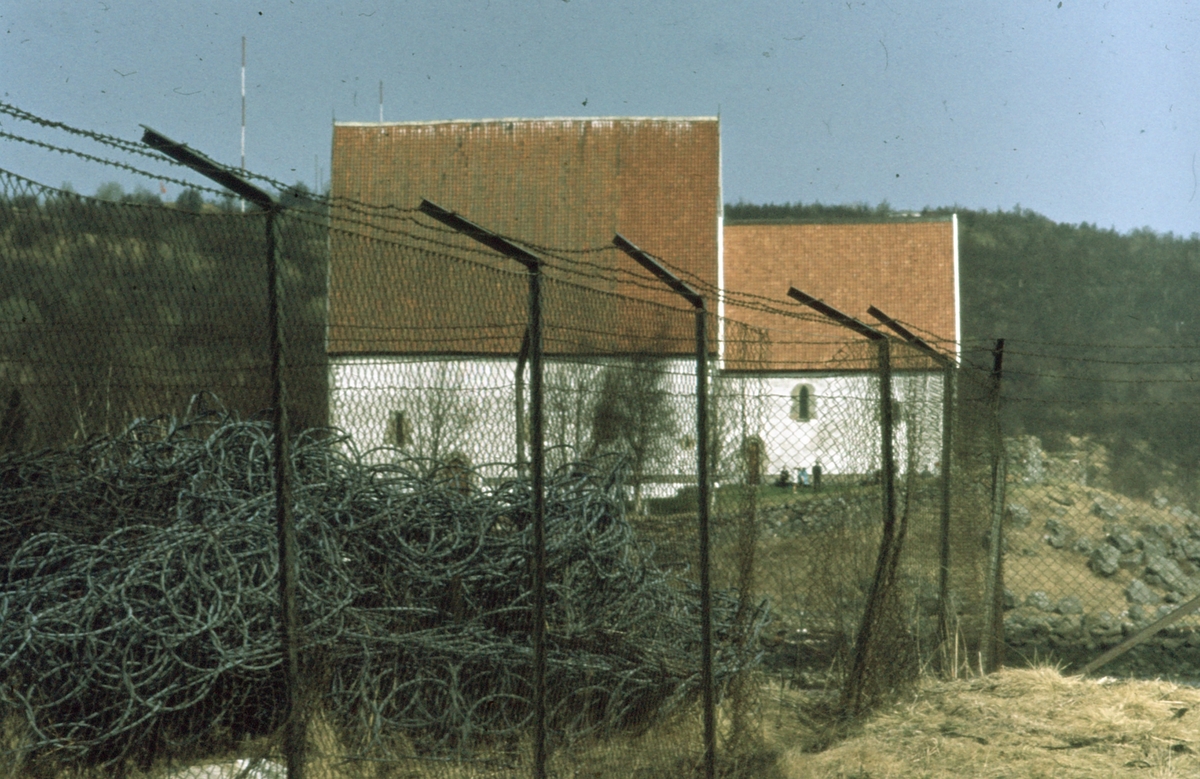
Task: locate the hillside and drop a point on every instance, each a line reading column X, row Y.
column 118, row 310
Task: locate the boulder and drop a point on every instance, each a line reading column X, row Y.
column 1067, row 626
column 1107, row 509
column 1061, row 498
column 1069, row 605
column 1102, row 624
column 1084, row 545
column 1140, row 594
column 1186, row 549
column 1120, row 537
column 1018, row 516
column 1185, row 515
column 1152, row 545
column 1169, row 573
column 1025, row 628
column 1105, row 560
column 1165, row 531
column 1058, row 533
column 1133, row 560
column 1039, row 600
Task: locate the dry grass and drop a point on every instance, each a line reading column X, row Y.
column 1032, row 564
column 1014, row 723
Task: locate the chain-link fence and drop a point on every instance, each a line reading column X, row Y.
column 140, row 600
column 1102, row 544
column 873, row 547
column 142, row 576
column 459, row 444
column 446, row 380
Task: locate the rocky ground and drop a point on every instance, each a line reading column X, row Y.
column 1086, row 566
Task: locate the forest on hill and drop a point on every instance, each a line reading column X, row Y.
column 1101, row 331
column 116, row 307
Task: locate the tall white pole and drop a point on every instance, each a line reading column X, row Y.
column 243, row 112
column 381, row 102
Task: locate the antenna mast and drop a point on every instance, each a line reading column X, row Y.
column 381, row 102
column 243, row 113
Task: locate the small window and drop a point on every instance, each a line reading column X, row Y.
column 399, row 430
column 803, row 403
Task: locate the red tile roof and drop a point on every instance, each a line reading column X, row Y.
column 564, row 183
column 905, row 269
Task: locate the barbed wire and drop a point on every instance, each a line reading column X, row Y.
column 1009, row 371
column 574, row 265
column 1042, row 401
column 140, row 593
column 1097, row 361
column 124, row 145
column 108, row 140
column 568, row 260
column 103, row 161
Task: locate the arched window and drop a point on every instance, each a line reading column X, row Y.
column 803, row 403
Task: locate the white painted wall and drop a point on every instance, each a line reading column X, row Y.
column 843, row 431
column 467, row 406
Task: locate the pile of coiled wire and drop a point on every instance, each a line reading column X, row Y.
column 139, row 599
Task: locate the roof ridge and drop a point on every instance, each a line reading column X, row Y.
column 528, row 119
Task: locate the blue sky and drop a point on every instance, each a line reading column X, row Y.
column 1080, row 111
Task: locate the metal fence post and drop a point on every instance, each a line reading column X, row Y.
column 537, row 458
column 294, row 736
column 949, row 374
column 703, row 489
column 991, row 651
column 852, row 698
column 294, row 728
